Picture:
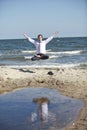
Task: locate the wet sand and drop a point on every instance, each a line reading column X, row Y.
column 71, row 82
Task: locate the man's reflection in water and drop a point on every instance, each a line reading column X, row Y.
column 42, row 112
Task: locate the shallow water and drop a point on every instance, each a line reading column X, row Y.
column 17, row 108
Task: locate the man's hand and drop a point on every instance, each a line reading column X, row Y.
column 38, row 56
column 54, row 34
column 25, row 35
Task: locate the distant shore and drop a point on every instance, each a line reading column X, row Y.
column 69, row 81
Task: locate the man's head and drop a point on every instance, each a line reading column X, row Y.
column 40, row 37
column 41, row 100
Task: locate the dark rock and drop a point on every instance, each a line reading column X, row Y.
column 50, row 73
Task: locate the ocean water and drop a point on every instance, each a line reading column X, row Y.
column 63, row 52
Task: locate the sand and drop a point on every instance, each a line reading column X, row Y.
column 71, row 82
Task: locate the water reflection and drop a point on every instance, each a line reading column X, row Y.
column 42, row 111
column 37, row 109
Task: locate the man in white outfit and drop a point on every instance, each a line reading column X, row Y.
column 43, row 107
column 40, row 46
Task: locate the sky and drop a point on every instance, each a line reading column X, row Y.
column 34, row 17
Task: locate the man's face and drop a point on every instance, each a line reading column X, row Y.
column 40, row 38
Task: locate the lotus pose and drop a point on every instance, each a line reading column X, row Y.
column 40, row 46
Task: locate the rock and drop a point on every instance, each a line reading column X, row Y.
column 50, row 73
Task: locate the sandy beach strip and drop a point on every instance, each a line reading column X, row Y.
column 71, row 82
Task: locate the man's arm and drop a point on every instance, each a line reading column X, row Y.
column 28, row 38
column 50, row 38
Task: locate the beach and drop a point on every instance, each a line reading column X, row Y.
column 70, row 82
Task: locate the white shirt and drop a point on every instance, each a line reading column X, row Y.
column 40, row 46
column 44, row 111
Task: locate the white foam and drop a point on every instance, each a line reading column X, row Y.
column 28, row 51
column 27, row 57
column 32, row 51
column 45, row 66
column 53, row 56
column 66, row 52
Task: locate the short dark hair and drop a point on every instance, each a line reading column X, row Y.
column 40, row 35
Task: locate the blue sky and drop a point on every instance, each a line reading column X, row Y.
column 42, row 16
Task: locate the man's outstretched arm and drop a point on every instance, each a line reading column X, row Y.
column 28, row 38
column 51, row 37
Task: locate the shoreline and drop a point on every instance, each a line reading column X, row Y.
column 70, row 82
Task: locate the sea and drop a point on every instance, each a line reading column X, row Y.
column 63, row 52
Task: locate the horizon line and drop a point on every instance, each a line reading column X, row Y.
column 45, row 37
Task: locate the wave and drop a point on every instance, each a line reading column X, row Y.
column 27, row 57
column 29, row 51
column 53, row 56
column 48, row 52
column 67, row 52
column 50, row 66
column 32, row 51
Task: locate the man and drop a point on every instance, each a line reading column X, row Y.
column 40, row 46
